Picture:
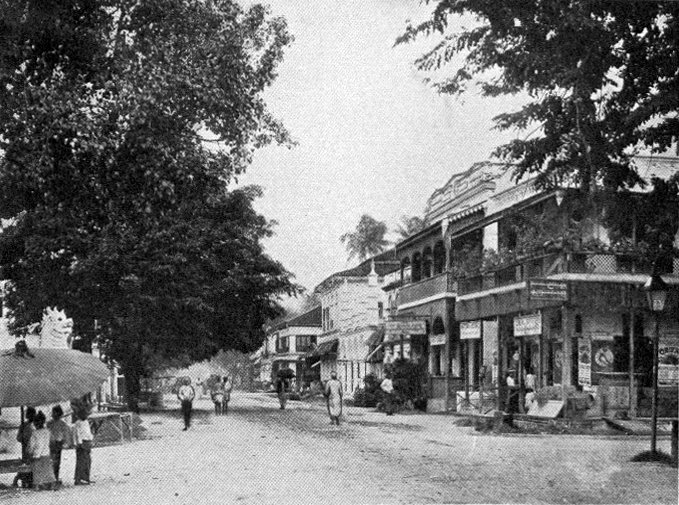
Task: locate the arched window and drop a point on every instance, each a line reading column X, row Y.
column 439, row 258
column 417, row 267
column 427, row 263
column 406, row 271
column 438, row 328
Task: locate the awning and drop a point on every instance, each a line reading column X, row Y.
column 373, row 354
column 376, row 338
column 325, row 349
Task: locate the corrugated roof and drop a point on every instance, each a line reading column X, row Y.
column 312, row 318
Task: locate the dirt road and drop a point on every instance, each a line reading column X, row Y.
column 260, row 454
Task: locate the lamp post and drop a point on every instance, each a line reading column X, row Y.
column 656, row 294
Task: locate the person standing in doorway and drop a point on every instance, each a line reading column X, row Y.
column 82, row 439
column 228, row 386
column 281, row 391
column 387, row 387
column 333, row 394
column 59, row 437
column 186, row 394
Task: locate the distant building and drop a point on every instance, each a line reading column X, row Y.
column 286, row 346
column 353, row 312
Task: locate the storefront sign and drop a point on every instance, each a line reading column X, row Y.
column 668, row 361
column 528, row 325
column 470, row 330
column 437, row 339
column 584, row 362
column 407, row 327
column 544, row 290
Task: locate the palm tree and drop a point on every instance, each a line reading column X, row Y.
column 410, row 226
column 368, row 239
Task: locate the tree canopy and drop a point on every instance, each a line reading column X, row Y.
column 367, row 240
column 122, row 124
column 601, row 80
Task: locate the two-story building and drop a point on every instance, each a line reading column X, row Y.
column 353, row 310
column 550, row 287
column 287, row 343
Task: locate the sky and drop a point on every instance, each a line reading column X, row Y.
column 372, row 137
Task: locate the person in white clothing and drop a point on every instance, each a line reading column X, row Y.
column 82, row 439
column 186, row 394
column 387, row 387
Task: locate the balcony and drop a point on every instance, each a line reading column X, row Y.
column 558, row 263
column 426, row 288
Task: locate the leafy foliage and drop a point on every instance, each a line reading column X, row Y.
column 368, row 239
column 120, row 209
column 410, row 226
column 601, row 80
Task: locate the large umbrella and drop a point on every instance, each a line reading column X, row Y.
column 43, row 376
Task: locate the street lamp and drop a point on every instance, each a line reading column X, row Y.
column 656, row 294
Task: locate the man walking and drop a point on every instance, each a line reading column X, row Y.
column 281, row 391
column 186, row 394
column 387, row 387
column 333, row 394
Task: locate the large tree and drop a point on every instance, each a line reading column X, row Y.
column 368, row 238
column 122, row 124
column 601, row 79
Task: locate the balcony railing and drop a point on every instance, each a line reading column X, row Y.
column 551, row 264
column 425, row 288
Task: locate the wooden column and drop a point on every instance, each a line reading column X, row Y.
column 500, row 368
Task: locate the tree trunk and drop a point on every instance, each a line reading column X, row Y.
column 132, row 386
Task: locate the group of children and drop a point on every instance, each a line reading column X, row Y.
column 42, row 443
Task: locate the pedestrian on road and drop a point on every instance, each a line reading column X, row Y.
column 24, row 436
column 218, row 398
column 333, row 394
column 281, row 391
column 39, row 451
column 186, row 394
column 82, row 439
column 228, row 386
column 387, row 387
column 60, row 436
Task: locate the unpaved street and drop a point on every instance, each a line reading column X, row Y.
column 260, row 454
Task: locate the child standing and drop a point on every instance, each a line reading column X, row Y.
column 82, row 438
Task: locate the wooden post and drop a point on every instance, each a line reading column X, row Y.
column 500, row 372
column 675, row 436
column 567, row 347
column 632, row 382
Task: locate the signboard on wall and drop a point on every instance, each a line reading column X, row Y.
column 668, row 360
column 437, row 339
column 548, row 290
column 470, row 330
column 405, row 327
column 528, row 325
column 584, row 362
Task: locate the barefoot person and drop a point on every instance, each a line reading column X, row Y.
column 186, row 394
column 281, row 391
column 333, row 393
column 218, row 398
